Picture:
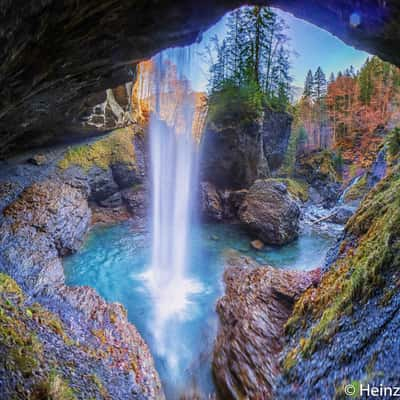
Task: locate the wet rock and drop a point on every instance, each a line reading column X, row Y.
column 109, row 216
column 318, row 169
column 232, row 154
column 102, row 184
column 124, row 175
column 211, row 204
column 115, row 200
column 276, row 133
column 378, row 169
column 47, row 220
column 136, row 200
column 235, row 153
column 38, row 159
column 231, row 201
column 76, row 177
column 341, row 215
column 257, row 302
column 270, row 212
column 257, row 244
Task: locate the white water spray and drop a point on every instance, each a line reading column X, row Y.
column 173, row 156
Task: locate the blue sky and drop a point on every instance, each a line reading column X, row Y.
column 313, row 46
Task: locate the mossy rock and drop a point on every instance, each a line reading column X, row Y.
column 362, row 269
column 358, row 190
column 53, row 387
column 298, row 189
column 115, row 148
column 318, row 165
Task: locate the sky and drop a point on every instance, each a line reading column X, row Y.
column 314, row 47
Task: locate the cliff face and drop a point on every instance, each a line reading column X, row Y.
column 345, row 330
column 236, row 153
column 56, row 55
column 58, row 341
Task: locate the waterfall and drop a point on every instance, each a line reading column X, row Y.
column 173, row 176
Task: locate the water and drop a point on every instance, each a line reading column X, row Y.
column 172, row 157
column 114, row 261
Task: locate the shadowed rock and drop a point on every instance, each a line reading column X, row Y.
column 58, row 56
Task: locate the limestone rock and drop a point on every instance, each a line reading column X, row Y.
column 55, row 209
column 102, row 184
column 257, row 302
column 46, row 83
column 38, row 159
column 211, row 204
column 136, row 200
column 270, row 212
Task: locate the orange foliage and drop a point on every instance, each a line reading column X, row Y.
column 174, row 98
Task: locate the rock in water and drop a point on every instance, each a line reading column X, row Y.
column 258, row 301
column 270, row 212
column 257, row 244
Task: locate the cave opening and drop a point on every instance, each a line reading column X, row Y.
column 216, row 183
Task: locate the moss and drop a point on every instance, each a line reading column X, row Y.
column 362, row 270
column 297, row 188
column 358, row 190
column 113, row 149
column 318, row 164
column 290, row 360
column 54, row 387
column 99, row 384
column 50, row 320
column 20, row 347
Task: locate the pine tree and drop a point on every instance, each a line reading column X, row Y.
column 332, row 78
column 309, row 85
column 320, row 85
column 254, row 55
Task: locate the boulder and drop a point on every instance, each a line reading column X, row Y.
column 211, row 203
column 270, row 212
column 53, row 208
column 257, row 302
column 49, row 219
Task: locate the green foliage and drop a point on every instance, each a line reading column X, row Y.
column 338, row 162
column 298, row 189
column 254, row 53
column 244, row 103
column 393, row 143
column 302, row 138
